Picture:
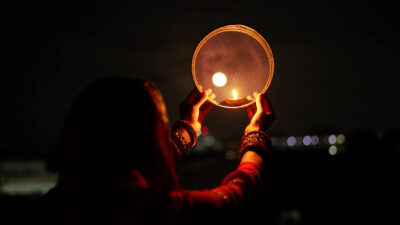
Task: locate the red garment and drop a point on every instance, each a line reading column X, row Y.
column 141, row 205
column 117, row 164
column 239, row 184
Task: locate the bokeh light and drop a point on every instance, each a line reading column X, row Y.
column 209, row 140
column 333, row 150
column 204, row 130
column 291, row 141
column 340, row 139
column 332, row 139
column 219, row 79
column 307, row 140
column 314, row 140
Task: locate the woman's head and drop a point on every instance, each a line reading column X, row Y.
column 118, row 127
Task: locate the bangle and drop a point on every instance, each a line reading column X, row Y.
column 179, row 143
column 185, row 125
column 176, row 149
column 257, row 141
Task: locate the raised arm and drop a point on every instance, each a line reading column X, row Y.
column 243, row 182
column 256, row 143
column 193, row 110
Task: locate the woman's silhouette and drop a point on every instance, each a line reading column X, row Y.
column 117, row 154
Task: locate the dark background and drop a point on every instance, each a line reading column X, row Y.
column 335, row 72
column 336, row 63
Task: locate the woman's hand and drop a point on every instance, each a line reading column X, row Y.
column 260, row 114
column 195, row 107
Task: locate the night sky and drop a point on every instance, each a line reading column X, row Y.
column 335, row 63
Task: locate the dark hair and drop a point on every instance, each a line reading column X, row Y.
column 115, row 126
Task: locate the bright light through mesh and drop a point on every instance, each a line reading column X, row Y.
column 219, row 79
column 235, row 62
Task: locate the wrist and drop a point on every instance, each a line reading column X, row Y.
column 183, row 138
column 257, row 141
column 187, row 130
column 194, row 125
column 251, row 128
column 252, row 156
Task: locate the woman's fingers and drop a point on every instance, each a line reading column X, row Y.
column 203, row 98
column 267, row 107
column 251, row 110
column 212, row 96
column 204, row 109
column 259, row 103
column 195, row 96
column 263, row 116
column 192, row 96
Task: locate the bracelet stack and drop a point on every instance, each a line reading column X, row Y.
column 179, row 142
column 257, row 141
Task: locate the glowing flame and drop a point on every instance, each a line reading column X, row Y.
column 234, row 93
column 219, row 79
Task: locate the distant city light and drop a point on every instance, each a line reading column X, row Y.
column 200, row 146
column 340, row 139
column 209, row 140
column 332, row 139
column 307, row 140
column 333, row 150
column 204, row 130
column 314, row 140
column 230, row 155
column 292, row 216
column 291, row 141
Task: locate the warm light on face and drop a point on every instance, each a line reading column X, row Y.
column 219, row 79
column 234, row 93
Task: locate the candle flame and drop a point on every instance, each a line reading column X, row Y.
column 234, row 92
